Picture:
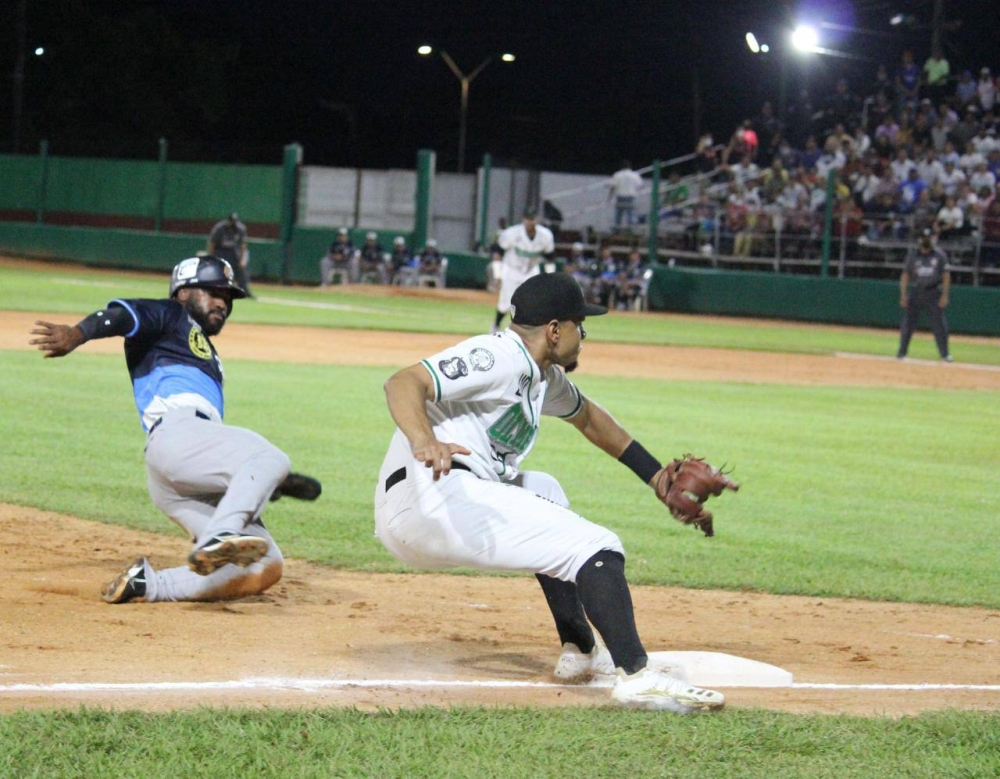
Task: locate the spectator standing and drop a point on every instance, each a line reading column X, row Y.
column 924, row 285
column 525, row 246
column 965, row 130
column 228, row 241
column 986, row 89
column 908, row 80
column 910, row 191
column 966, row 90
column 768, row 133
column 624, row 188
column 935, row 75
column 842, row 106
column 939, row 133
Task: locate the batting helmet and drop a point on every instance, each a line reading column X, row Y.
column 204, row 272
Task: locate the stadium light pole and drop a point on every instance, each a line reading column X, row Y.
column 464, row 79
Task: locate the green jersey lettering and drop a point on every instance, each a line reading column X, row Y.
column 513, row 432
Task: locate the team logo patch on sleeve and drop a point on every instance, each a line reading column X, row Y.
column 481, row 359
column 454, row 368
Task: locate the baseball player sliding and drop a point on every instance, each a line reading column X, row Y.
column 451, row 492
column 212, row 479
column 524, row 247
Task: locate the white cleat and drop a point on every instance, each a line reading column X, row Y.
column 656, row 691
column 576, row 667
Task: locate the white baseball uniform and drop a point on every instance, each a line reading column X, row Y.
column 489, row 397
column 521, row 259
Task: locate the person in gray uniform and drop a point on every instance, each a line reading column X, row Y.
column 924, row 285
column 228, row 241
column 212, row 479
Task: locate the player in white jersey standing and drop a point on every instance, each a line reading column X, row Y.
column 524, row 247
column 451, row 492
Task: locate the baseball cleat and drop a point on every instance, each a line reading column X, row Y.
column 224, row 549
column 127, row 586
column 298, row 486
column 576, row 667
column 656, row 691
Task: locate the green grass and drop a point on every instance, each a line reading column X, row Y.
column 873, row 493
column 844, row 493
column 70, row 290
column 510, row 742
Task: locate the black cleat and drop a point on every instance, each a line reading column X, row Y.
column 129, row 585
column 298, row 486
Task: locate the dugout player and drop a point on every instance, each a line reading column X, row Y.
column 524, row 247
column 451, row 493
column 924, row 285
column 212, row 479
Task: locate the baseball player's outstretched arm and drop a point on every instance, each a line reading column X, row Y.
column 56, row 340
column 406, row 393
column 60, row 340
column 601, row 429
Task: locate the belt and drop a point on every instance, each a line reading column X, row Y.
column 156, row 424
column 397, row 476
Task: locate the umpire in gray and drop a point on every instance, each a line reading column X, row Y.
column 925, row 284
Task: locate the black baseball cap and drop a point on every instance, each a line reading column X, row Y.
column 550, row 296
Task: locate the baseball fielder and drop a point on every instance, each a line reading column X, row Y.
column 524, row 247
column 211, row 479
column 451, row 491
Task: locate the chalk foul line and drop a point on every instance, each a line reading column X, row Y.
column 314, row 685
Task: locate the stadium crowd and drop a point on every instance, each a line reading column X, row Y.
column 915, row 148
column 907, row 151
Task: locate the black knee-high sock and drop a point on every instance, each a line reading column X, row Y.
column 607, row 600
column 567, row 611
column 500, row 316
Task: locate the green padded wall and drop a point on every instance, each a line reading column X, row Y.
column 972, row 310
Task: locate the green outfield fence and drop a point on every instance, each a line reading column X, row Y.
column 148, row 214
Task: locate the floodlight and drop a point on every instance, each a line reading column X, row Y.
column 805, row 38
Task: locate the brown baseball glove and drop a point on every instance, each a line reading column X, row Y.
column 685, row 484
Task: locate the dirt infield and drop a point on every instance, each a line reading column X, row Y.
column 327, row 637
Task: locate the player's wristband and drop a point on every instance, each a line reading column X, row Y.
column 640, row 462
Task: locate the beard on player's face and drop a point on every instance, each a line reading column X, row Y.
column 209, row 309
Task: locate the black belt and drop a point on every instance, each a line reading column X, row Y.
column 397, row 476
column 199, row 414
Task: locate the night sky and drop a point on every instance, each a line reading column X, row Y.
column 593, row 82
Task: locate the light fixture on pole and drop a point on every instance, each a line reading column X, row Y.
column 464, row 80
